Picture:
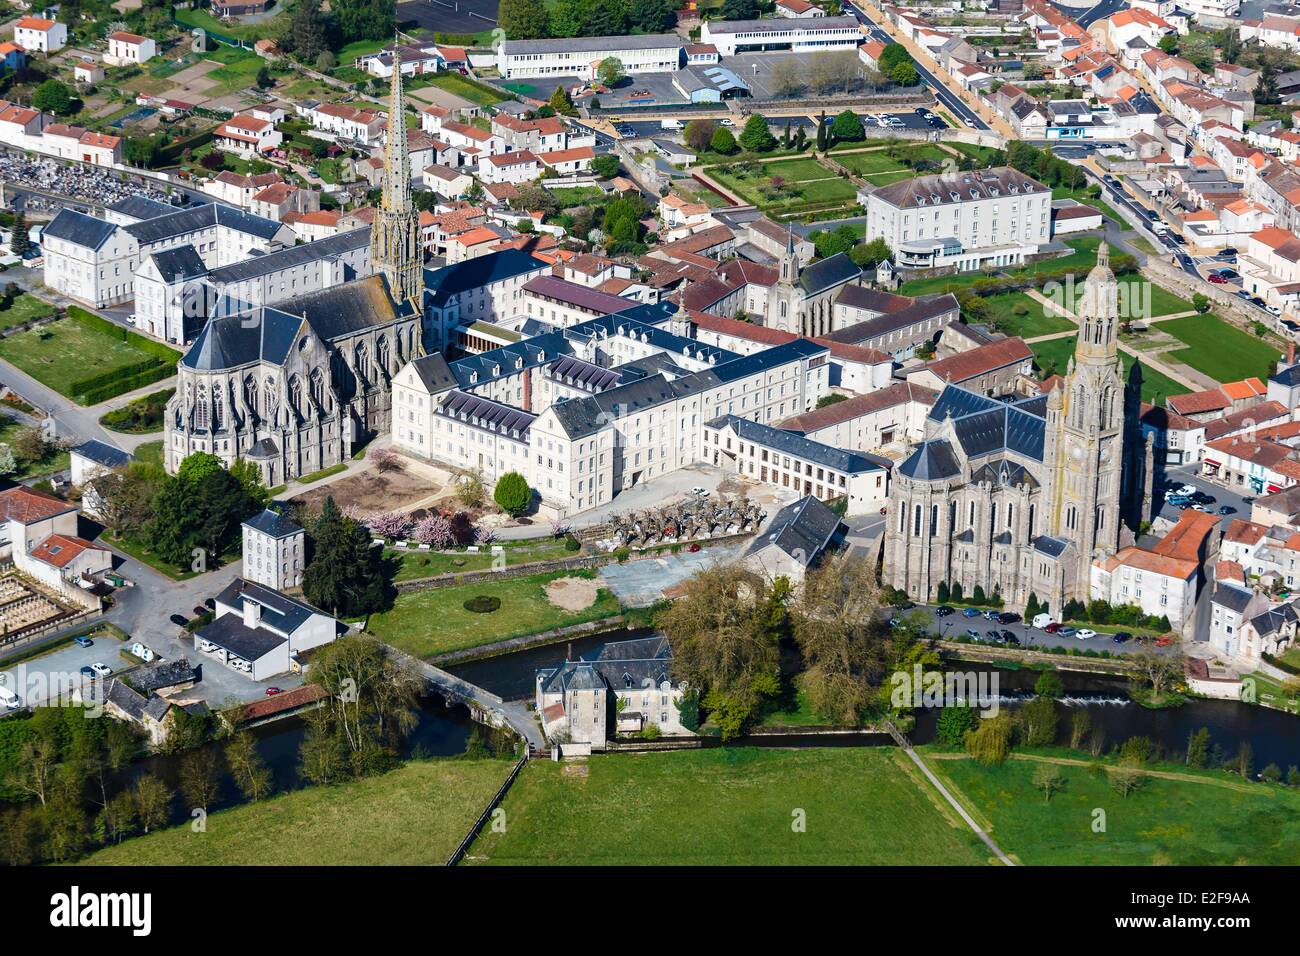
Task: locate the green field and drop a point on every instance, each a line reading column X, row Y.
column 59, row 461
column 239, row 31
column 733, row 806
column 985, row 155
column 809, row 188
column 1220, row 350
column 1053, row 355
column 425, row 623
column 24, row 308
column 1199, row 820
column 460, row 86
column 413, row 816
column 876, row 161
column 1133, row 292
column 1081, row 260
column 426, row 564
column 1034, row 320
column 65, row 351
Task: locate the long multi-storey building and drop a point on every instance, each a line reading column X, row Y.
column 582, row 56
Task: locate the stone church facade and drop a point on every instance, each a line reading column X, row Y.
column 296, row 385
column 1020, row 495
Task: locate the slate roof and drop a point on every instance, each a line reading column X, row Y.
column 279, row 611
column 598, row 44
column 256, row 266
column 443, row 284
column 153, row 677
column 179, row 265
column 485, row 413
column 804, row 448
column 828, row 273
column 142, row 207
column 1051, row 546
column 931, row 461
column 183, row 221
column 102, row 453
column 79, row 229
column 985, row 425
column 271, row 522
column 802, row 529
column 435, row 374
column 946, row 190
column 133, row 704
column 229, row 633
column 783, row 24
column 921, row 310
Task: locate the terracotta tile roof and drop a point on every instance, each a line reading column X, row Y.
column 280, row 702
column 35, row 23
column 24, row 505
column 1198, row 403
column 1142, row 560
column 60, row 550
column 1241, row 531
column 1246, row 388
column 1229, row 571
column 1185, row 539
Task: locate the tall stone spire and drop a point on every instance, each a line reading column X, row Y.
column 395, row 235
column 1098, row 313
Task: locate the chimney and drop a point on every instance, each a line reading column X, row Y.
column 568, row 651
column 1290, row 354
column 252, row 614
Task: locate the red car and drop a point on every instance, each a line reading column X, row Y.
column 1164, row 640
column 1053, row 627
column 695, row 546
column 272, row 691
column 1217, row 279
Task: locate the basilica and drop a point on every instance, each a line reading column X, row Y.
column 294, row 386
column 1018, row 496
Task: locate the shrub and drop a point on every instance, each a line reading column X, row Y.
column 622, row 554
column 572, row 544
column 483, row 604
column 512, row 494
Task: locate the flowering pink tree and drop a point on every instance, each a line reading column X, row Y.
column 385, row 459
column 435, row 531
column 389, row 524
column 484, row 536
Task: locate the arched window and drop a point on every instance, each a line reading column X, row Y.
column 201, row 407
column 934, row 520
column 218, row 407
column 318, row 388
column 916, row 522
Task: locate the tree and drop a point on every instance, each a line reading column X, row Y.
column 1198, row 748
column 892, row 55
column 652, row 16
column 1266, row 88
column 787, row 78
column 822, row 133
column 249, row 477
column 990, row 742
column 1038, row 720
column 252, row 776
column 325, row 62
column 20, row 244
column 723, row 142
column 264, row 80
column 152, row 798
column 725, row 630
column 8, row 463
column 868, row 255
column 307, row 29
column 53, row 97
column 1168, row 43
column 1200, row 302
column 346, row 575
column 699, row 134
column 605, row 166
column 740, row 10
column 364, row 19
column 384, row 459
column 512, row 494
column 756, row 137
column 1049, row 779
column 610, row 71
column 200, row 777
column 904, row 74
column 1049, row 685
column 523, row 19
column 845, row 650
column 955, row 721
column 562, row 103
column 847, row 127
column 470, row 490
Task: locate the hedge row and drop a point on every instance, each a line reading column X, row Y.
column 113, row 330
column 121, row 386
column 104, row 379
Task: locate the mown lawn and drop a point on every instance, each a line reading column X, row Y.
column 1053, row 356
column 732, row 806
column 457, row 84
column 24, row 308
column 427, row 564
column 1015, row 313
column 425, row 623
column 1140, row 298
column 1185, row 822
column 60, row 353
column 414, row 816
column 1219, row 349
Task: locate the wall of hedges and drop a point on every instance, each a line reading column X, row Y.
column 94, row 389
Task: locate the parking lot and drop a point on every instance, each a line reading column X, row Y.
column 41, row 679
column 449, row 16
column 641, row 583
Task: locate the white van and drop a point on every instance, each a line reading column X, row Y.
column 1041, row 621
column 9, row 699
column 671, row 124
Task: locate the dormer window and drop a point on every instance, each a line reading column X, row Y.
column 956, row 196
column 920, row 200
column 473, row 377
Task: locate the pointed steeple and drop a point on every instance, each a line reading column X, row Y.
column 395, row 235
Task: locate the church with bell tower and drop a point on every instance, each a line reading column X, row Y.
column 1019, row 496
column 395, row 234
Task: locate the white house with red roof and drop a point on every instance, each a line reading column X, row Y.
column 517, row 167
column 246, row 136
column 39, row 35
column 798, row 9
column 129, row 49
column 38, row 532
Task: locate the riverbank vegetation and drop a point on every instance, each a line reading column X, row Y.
column 415, row 815
column 746, row 806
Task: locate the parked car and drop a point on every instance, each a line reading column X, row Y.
column 83, row 641
column 694, row 548
column 970, row 612
column 1008, row 617
column 87, row 671
column 700, row 490
column 990, row 615
column 1009, row 638
column 1068, row 631
column 210, row 604
column 1187, row 490
column 1227, row 253
column 1054, row 628
column 1041, row 621
column 199, row 610
column 895, row 622
column 180, row 620
column 1227, row 510
column 994, row 635
column 1122, row 637
column 1178, row 501
column 103, row 670
column 972, row 633
column 1085, row 633
column 272, row 691
column 1164, row 640
column 942, row 610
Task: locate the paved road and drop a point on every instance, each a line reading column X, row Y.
column 950, row 101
